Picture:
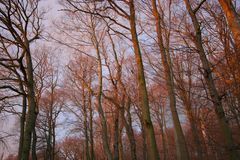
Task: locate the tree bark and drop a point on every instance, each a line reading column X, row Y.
column 116, row 135
column 34, row 145
column 208, row 77
column 129, row 130
column 121, row 157
column 22, row 126
column 49, row 129
column 181, row 146
column 53, row 140
column 152, row 150
column 87, row 156
column 32, row 108
column 145, row 156
column 233, row 22
column 91, row 125
column 99, row 103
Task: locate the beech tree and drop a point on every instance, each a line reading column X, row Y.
column 122, row 79
column 208, row 76
column 20, row 24
column 182, row 151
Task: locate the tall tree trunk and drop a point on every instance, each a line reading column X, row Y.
column 34, row 145
column 22, row 126
column 130, row 131
column 102, row 117
column 152, row 150
column 49, row 134
column 116, row 135
column 120, row 148
column 87, row 156
column 181, row 146
column 53, row 139
column 105, row 138
column 91, row 125
column 32, row 108
column 208, row 77
column 145, row 156
column 50, row 126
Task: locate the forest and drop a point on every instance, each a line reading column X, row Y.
column 119, row 79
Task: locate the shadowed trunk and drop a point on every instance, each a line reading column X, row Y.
column 85, row 124
column 116, row 135
column 34, row 145
column 22, row 126
column 127, row 122
column 145, row 156
column 32, row 108
column 120, row 139
column 53, row 141
column 91, row 125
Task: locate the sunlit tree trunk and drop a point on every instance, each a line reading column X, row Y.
column 233, row 21
column 208, row 76
column 142, row 90
column 181, row 146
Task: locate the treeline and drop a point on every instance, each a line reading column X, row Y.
column 144, row 80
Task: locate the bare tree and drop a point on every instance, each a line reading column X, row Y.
column 20, row 22
column 182, row 151
column 208, row 76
